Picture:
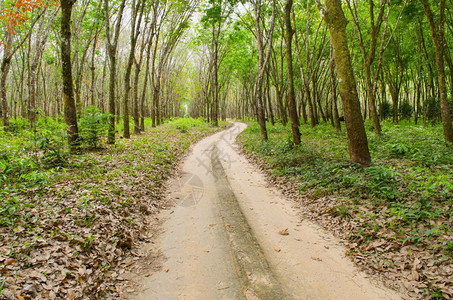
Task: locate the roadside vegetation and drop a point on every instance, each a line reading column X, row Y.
column 71, row 224
column 396, row 216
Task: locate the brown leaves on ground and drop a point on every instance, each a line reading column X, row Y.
column 418, row 269
column 283, row 232
column 77, row 236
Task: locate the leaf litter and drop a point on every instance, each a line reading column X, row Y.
column 77, row 237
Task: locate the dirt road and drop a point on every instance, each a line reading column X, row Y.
column 225, row 238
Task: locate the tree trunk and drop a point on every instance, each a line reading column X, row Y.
column 215, row 74
column 112, row 43
column 135, row 112
column 336, row 22
column 438, row 37
column 333, row 87
column 289, row 61
column 263, row 59
column 70, row 114
column 269, row 101
column 5, row 68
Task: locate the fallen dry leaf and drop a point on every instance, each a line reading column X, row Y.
column 316, row 258
column 10, row 261
column 284, row 232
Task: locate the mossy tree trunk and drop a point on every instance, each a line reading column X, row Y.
column 336, row 21
column 70, row 113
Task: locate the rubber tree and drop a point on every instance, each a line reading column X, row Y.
column 333, row 91
column 213, row 19
column 263, row 59
column 289, row 64
column 137, row 14
column 39, row 46
column 437, row 28
column 112, row 50
column 336, row 22
column 70, row 113
column 13, row 17
column 369, row 54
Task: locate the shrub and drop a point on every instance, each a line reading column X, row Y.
column 432, row 107
column 406, row 110
column 385, row 109
column 93, row 126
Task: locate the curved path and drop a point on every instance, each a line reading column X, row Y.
column 223, row 238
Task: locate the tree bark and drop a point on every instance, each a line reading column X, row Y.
column 438, row 37
column 289, row 62
column 336, row 21
column 135, row 25
column 333, row 87
column 5, row 68
column 112, row 47
column 70, row 114
column 263, row 58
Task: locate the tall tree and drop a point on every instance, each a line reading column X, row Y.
column 137, row 13
column 112, row 49
column 40, row 43
column 14, row 16
column 263, row 59
column 70, row 114
column 333, row 88
column 370, row 54
column 336, row 21
column 289, row 64
column 437, row 28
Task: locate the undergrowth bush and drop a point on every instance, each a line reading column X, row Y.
column 93, row 126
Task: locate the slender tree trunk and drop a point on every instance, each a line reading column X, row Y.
column 269, row 100
column 438, row 37
column 289, row 62
column 281, row 107
column 333, row 87
column 5, row 68
column 215, row 74
column 70, row 114
column 112, row 42
column 303, row 106
column 135, row 101
column 93, row 70
column 263, row 59
column 336, row 21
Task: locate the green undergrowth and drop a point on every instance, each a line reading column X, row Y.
column 92, row 206
column 405, row 197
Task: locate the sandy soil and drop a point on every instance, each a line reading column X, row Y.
column 222, row 238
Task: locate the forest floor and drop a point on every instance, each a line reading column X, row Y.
column 103, row 224
column 395, row 217
column 230, row 235
column 70, row 226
